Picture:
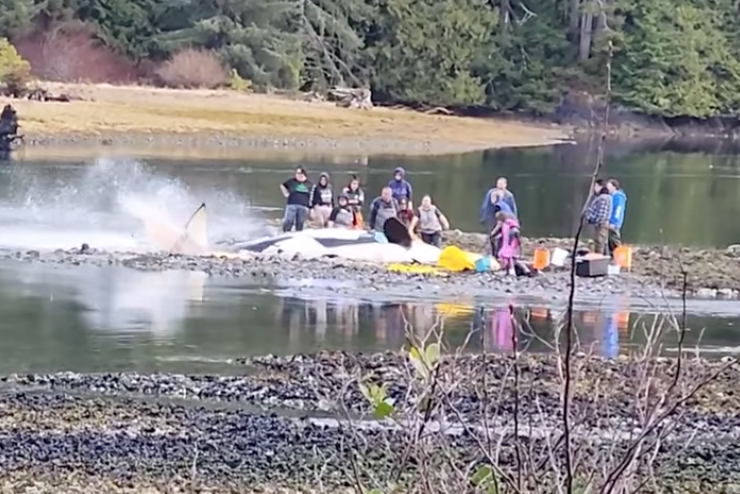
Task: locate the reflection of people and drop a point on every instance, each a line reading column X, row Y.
column 504, row 329
column 497, row 329
column 611, row 336
column 320, row 309
column 424, row 318
column 394, row 322
column 290, row 317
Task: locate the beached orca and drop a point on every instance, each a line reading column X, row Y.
column 393, row 245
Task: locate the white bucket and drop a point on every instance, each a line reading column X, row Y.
column 613, row 269
column 558, row 257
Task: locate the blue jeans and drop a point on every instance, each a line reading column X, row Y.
column 294, row 215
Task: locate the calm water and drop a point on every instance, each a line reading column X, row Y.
column 84, row 318
column 673, row 197
column 103, row 319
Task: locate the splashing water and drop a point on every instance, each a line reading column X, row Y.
column 64, row 207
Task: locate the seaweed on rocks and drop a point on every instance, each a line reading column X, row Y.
column 56, row 440
column 316, row 382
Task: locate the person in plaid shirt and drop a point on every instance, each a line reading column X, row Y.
column 597, row 216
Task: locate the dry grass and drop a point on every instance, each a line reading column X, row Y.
column 111, row 110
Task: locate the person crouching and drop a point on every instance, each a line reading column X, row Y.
column 430, row 222
column 343, row 215
column 505, row 240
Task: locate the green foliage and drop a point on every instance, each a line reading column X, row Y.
column 485, row 479
column 672, row 57
column 15, row 72
column 376, row 396
column 423, row 52
column 424, row 360
column 677, row 62
column 238, row 83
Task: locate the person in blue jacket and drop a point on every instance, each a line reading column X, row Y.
column 616, row 218
column 494, row 201
column 400, row 186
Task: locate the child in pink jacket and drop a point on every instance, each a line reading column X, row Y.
column 506, row 235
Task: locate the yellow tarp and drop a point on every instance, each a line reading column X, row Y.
column 416, row 269
column 451, row 259
column 454, row 259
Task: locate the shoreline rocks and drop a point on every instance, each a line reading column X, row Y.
column 52, row 438
column 656, row 273
column 329, row 382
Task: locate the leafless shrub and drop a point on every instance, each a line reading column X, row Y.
column 569, row 423
column 190, row 69
column 75, row 56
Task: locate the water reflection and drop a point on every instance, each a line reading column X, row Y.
column 117, row 299
column 477, row 326
column 101, row 319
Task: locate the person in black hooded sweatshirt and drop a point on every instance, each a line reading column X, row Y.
column 322, row 200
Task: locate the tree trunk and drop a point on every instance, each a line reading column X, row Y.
column 505, row 15
column 575, row 17
column 587, row 31
column 602, row 18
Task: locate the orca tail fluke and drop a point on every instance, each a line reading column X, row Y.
column 195, row 234
column 192, row 239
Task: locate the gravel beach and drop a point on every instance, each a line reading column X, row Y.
column 657, row 273
column 57, row 437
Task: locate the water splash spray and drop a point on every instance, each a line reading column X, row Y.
column 63, row 207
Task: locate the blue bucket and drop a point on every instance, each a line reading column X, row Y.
column 483, row 265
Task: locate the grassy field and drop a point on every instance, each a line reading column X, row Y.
column 111, row 111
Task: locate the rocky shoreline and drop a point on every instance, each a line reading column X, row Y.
column 52, row 438
column 319, row 383
column 657, row 273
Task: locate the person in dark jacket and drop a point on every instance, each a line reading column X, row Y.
column 322, row 200
column 382, row 208
column 494, row 196
column 597, row 216
column 355, row 195
column 297, row 191
column 342, row 216
column 401, row 187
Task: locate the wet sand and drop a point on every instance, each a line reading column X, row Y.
column 120, row 442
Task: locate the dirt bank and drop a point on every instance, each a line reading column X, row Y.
column 54, row 438
column 136, row 116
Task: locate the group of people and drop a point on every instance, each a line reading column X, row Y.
column 318, row 202
column 605, row 215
